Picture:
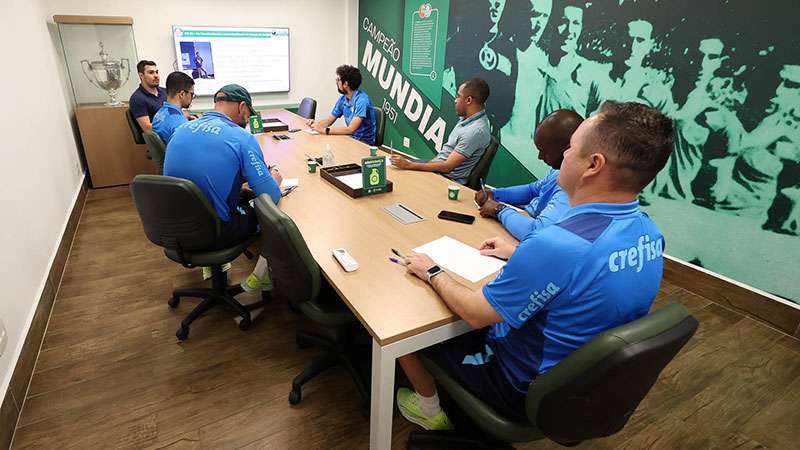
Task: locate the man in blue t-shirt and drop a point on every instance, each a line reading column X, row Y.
column 180, row 92
column 147, row 99
column 354, row 105
column 467, row 140
column 543, row 200
column 598, row 267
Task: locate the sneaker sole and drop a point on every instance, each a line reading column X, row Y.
column 420, row 422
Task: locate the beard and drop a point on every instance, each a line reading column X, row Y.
column 341, row 91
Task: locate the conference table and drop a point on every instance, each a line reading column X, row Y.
column 401, row 312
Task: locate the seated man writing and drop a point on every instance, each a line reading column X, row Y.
column 598, row 267
column 354, row 104
column 180, row 93
column 467, row 141
column 219, row 156
column 544, row 200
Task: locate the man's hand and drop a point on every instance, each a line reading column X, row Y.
column 276, row 175
column 318, row 127
column 489, row 208
column 497, row 247
column 310, row 123
column 401, row 162
column 247, row 192
column 482, row 195
column 418, row 264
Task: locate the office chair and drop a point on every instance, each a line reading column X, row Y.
column 296, row 278
column 590, row 394
column 307, row 108
column 178, row 217
column 136, row 130
column 380, row 125
column 155, row 149
column 481, row 169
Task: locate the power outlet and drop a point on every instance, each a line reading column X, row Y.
column 406, row 142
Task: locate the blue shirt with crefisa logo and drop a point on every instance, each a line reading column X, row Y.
column 544, row 201
column 219, row 156
column 167, row 120
column 358, row 106
column 598, row 267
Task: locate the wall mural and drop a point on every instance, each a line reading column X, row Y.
column 726, row 71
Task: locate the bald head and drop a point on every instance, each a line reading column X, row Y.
column 553, row 134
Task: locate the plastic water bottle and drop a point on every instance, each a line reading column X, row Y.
column 327, row 157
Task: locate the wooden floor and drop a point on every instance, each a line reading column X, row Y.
column 112, row 375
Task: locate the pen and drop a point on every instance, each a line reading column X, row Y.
column 400, row 255
column 476, row 204
column 483, row 185
column 397, row 261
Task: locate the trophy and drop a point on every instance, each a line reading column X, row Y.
column 107, row 74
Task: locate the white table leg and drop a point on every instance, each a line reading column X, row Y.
column 382, row 401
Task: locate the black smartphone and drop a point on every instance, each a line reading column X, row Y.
column 456, row 217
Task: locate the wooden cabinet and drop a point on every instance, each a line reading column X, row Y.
column 112, row 156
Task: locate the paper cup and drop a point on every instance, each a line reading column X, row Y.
column 312, row 166
column 452, row 192
column 373, row 151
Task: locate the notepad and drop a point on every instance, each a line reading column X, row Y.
column 290, row 182
column 461, row 259
column 354, row 180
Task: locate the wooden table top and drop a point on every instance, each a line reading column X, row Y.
column 390, row 303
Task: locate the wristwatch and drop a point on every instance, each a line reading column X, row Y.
column 432, row 272
column 499, row 208
column 327, row 130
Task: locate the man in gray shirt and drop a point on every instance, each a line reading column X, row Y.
column 466, row 142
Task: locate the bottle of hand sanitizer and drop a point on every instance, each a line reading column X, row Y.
column 327, row 157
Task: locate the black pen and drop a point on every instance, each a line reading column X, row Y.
column 400, row 255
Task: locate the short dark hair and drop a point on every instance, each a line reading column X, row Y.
column 178, row 81
column 477, row 89
column 639, row 139
column 349, row 74
column 141, row 64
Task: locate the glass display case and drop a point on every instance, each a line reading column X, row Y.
column 100, row 57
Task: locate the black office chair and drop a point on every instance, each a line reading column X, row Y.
column 590, row 394
column 136, row 130
column 155, row 149
column 296, row 278
column 177, row 216
column 307, row 108
column 380, row 125
column 481, row 169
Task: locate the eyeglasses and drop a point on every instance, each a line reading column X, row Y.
column 194, row 96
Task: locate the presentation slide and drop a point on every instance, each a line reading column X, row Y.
column 256, row 58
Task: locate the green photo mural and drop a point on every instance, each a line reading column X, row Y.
column 727, row 72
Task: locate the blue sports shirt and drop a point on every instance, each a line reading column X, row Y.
column 167, row 120
column 219, row 156
column 543, row 199
column 359, row 106
column 597, row 268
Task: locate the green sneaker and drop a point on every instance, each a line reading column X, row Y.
column 207, row 271
column 253, row 283
column 408, row 403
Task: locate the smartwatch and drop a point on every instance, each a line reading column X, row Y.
column 499, row 208
column 432, row 272
column 327, row 130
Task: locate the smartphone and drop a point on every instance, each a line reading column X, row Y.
column 456, row 217
column 294, row 130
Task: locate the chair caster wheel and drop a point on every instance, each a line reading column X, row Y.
column 295, row 396
column 182, row 333
column 302, row 343
column 245, row 324
column 174, row 302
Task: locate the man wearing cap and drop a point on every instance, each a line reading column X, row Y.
column 219, row 156
column 354, row 105
column 544, row 200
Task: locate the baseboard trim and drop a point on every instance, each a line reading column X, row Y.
column 762, row 306
column 23, row 370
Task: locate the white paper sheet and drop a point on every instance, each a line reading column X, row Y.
column 311, row 131
column 354, row 180
column 290, row 182
column 460, row 258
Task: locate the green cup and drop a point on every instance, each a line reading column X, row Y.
column 373, row 151
column 312, row 166
column 452, row 192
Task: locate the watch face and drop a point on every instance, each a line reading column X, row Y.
column 433, row 270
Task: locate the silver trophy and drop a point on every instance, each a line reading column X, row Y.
column 107, row 74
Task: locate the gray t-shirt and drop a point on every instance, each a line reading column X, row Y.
column 469, row 137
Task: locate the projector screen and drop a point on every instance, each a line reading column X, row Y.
column 256, row 58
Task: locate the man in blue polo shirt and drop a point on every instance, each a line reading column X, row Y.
column 467, row 141
column 180, row 92
column 543, row 200
column 598, row 267
column 148, row 98
column 354, row 105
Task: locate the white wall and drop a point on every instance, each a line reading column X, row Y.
column 40, row 173
column 321, row 35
